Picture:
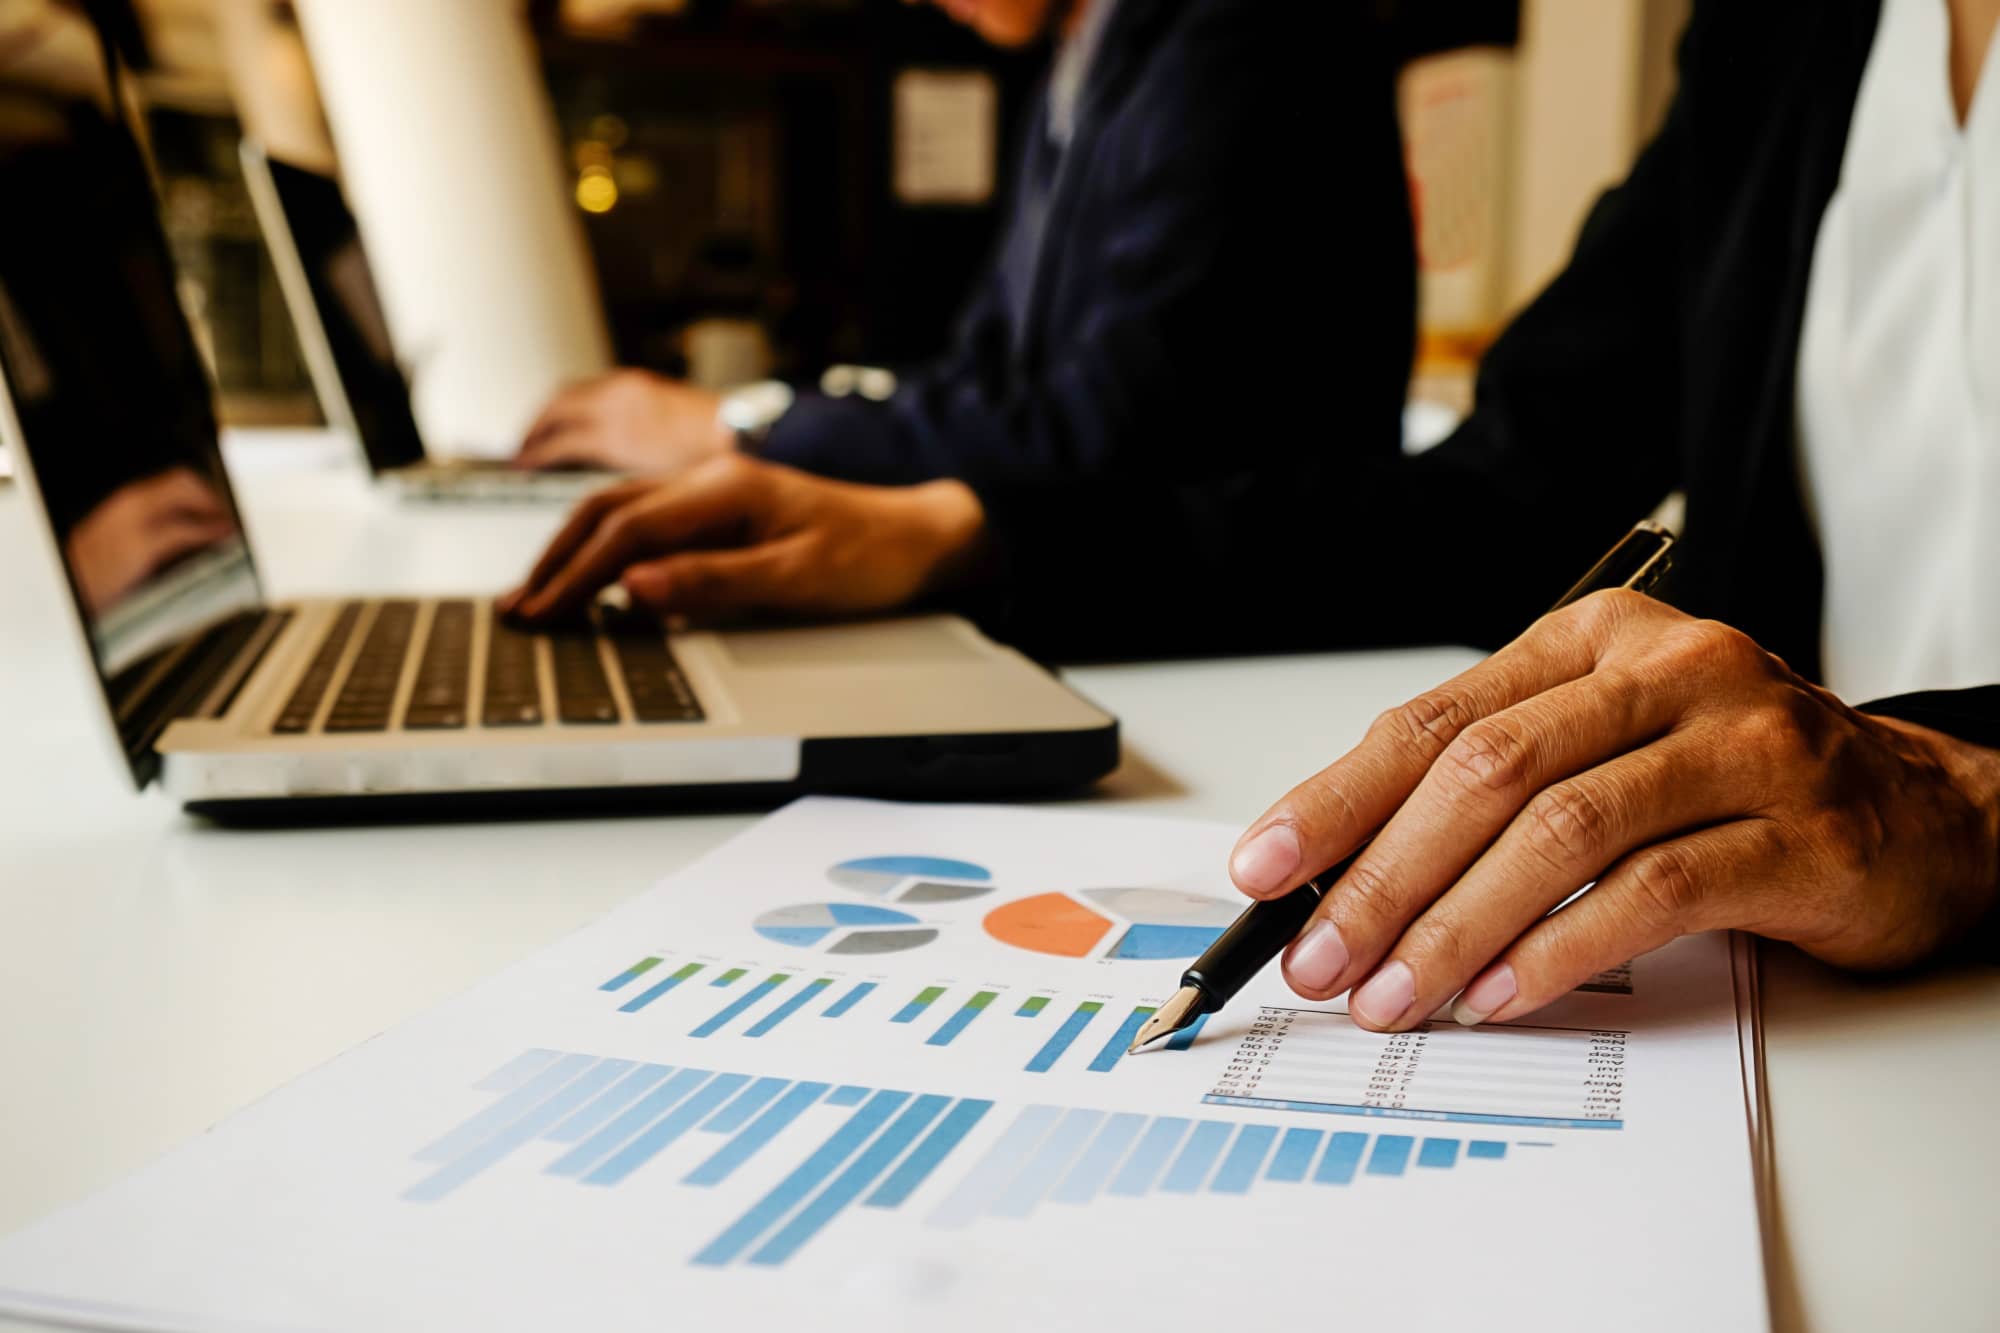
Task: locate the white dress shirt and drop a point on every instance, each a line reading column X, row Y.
column 1899, row 375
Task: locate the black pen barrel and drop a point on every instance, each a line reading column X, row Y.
column 1257, row 936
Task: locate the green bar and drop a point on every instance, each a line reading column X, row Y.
column 687, row 970
column 1033, row 1005
column 733, row 974
column 643, row 966
column 1089, row 1007
column 927, row 994
column 777, row 978
column 981, row 1000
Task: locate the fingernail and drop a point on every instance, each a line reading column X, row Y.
column 1490, row 990
column 1386, row 996
column 1268, row 862
column 1317, row 958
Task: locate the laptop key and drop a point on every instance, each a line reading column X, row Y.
column 513, row 685
column 439, row 697
column 296, row 717
column 653, row 679
column 369, row 693
column 583, row 692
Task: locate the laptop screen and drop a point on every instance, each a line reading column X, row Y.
column 349, row 314
column 111, row 403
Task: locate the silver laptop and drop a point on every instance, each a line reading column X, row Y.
column 330, row 291
column 245, row 709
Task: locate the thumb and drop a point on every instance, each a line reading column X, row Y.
column 717, row 582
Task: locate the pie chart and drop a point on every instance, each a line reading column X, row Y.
column 843, row 928
column 1113, row 923
column 913, row 879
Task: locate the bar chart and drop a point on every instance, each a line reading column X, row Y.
column 600, row 1121
column 1503, row 1074
column 1095, row 1030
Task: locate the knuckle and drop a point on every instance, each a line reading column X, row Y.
column 1366, row 892
column 1663, row 884
column 1493, row 754
column 1567, row 826
column 1428, row 722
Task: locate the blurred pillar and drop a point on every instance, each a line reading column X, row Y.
column 452, row 164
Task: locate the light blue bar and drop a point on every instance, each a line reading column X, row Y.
column 793, row 1188
column 846, row 1095
column 960, row 1019
column 659, row 988
column 1343, row 1154
column 1438, row 1152
column 849, row 1000
column 738, row 1005
column 666, row 1129
column 1485, row 1148
column 1048, row 1164
column 1099, row 1160
column 1239, row 1169
column 788, row 1008
column 1391, row 1155
column 631, row 974
column 516, row 1071
column 552, row 1109
column 1192, row 1166
column 1295, row 1155
column 1143, row 1167
column 1183, row 1039
column 650, row 1108
column 847, row 1186
column 924, row 1159
column 746, row 1104
column 1052, row 1050
column 1002, row 1160
column 755, row 1135
column 609, row 1103
column 475, row 1131
column 1114, row 1050
column 1401, row 1113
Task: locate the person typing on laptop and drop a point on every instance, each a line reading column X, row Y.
column 1791, row 310
column 1154, row 293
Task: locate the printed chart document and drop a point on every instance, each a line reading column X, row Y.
column 864, row 1067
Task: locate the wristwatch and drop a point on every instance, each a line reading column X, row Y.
column 753, row 409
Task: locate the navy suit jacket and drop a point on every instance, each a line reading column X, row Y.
column 1231, row 206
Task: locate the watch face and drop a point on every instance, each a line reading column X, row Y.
column 753, row 409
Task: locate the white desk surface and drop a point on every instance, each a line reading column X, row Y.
column 157, row 973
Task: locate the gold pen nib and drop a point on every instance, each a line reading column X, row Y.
column 1182, row 1008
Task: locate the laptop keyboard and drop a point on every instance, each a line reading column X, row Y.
column 512, row 674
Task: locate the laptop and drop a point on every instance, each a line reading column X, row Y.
column 330, row 291
column 246, row 709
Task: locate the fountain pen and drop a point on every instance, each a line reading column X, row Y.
column 1264, row 929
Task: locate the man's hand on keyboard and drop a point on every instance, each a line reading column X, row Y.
column 738, row 535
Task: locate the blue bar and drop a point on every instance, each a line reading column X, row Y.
column 846, row 1095
column 650, row 1108
column 788, row 1008
column 924, row 1158
column 849, row 1000
column 1403, row 1113
column 801, row 1182
column 1002, row 1160
column 1343, row 1154
column 516, row 1071
column 552, row 1109
column 609, row 1103
column 1142, row 1168
column 666, row 1129
column 1099, row 1160
column 1032, row 1007
column 1295, row 1155
column 924, row 999
column 847, row 1186
column 1438, row 1152
column 1391, row 1155
column 1239, row 1169
column 960, row 1020
column 1485, row 1148
column 507, row 1110
column 739, row 1004
column 1071, row 1029
column 1183, row 1039
column 631, row 974
column 753, row 1137
column 1120, row 1040
column 658, row 988
column 1048, row 1164
column 746, row 1104
column 1191, row 1167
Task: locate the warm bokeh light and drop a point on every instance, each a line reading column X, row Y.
column 596, row 191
